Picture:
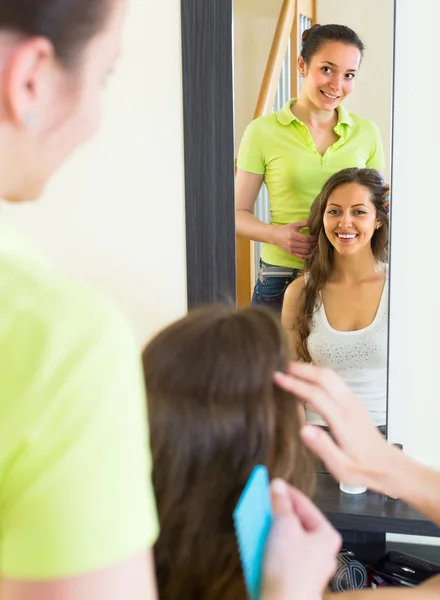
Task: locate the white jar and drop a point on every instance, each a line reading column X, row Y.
column 352, row 489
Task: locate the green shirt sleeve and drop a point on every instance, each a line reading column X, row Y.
column 376, row 159
column 76, row 491
column 250, row 154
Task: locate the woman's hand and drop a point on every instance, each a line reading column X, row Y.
column 289, row 238
column 358, row 455
column 302, row 548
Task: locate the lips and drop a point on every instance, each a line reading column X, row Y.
column 330, row 97
column 346, row 238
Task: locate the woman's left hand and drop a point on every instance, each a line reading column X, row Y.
column 302, row 548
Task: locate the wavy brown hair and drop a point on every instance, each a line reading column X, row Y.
column 320, row 265
column 215, row 414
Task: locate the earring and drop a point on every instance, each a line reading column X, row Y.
column 30, row 120
column 377, row 227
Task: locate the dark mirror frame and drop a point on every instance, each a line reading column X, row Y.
column 208, row 114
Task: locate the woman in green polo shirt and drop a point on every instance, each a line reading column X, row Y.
column 295, row 150
column 77, row 513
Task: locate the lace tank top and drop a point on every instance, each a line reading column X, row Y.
column 359, row 357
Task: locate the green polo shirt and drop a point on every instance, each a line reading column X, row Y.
column 280, row 147
column 74, row 457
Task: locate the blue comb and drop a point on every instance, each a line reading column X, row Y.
column 252, row 519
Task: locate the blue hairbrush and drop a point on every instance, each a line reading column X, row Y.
column 252, row 519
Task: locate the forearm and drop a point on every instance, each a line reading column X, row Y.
column 413, row 483
column 248, row 226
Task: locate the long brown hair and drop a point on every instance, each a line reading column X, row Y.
column 320, row 265
column 214, row 415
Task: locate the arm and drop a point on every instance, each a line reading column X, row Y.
column 360, row 455
column 251, row 167
column 132, row 579
column 287, row 237
column 425, row 591
column 247, row 188
column 78, row 511
column 290, row 312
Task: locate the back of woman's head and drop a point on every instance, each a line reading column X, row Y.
column 68, row 24
column 214, row 414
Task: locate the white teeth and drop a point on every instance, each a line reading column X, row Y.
column 329, row 95
column 346, row 236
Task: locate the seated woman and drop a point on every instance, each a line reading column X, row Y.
column 214, row 414
column 336, row 314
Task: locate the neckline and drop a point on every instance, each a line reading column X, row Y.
column 368, row 327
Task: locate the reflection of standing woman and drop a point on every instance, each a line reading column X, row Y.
column 337, row 314
column 295, row 150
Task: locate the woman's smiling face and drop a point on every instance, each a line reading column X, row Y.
column 350, row 218
column 330, row 76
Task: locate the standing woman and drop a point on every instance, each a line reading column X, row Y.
column 77, row 513
column 295, row 150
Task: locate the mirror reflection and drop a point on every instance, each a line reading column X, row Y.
column 313, row 95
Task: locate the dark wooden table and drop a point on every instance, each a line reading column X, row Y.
column 369, row 511
column 378, row 514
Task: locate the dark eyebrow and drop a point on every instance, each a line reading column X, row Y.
column 339, row 206
column 332, row 64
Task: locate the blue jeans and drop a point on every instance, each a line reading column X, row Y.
column 271, row 284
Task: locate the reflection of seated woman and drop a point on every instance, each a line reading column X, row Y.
column 214, row 414
column 337, row 314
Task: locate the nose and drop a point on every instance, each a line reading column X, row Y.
column 345, row 221
column 336, row 82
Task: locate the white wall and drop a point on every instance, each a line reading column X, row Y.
column 373, row 22
column 255, row 22
column 114, row 215
column 414, row 393
column 415, row 250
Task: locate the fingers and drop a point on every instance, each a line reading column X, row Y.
column 319, row 442
column 312, row 393
column 298, row 240
column 323, row 378
column 313, row 520
column 303, row 238
column 310, row 516
column 300, row 224
column 281, row 503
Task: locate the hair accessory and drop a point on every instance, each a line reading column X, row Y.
column 252, row 519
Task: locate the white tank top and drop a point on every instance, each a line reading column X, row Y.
column 359, row 357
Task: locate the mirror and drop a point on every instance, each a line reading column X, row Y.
column 341, row 118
